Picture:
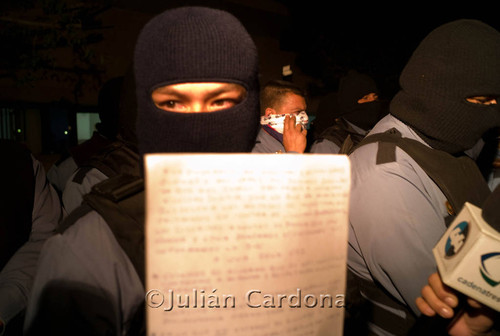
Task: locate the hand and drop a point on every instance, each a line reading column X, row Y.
column 441, row 299
column 294, row 137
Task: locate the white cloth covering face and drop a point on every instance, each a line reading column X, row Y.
column 276, row 121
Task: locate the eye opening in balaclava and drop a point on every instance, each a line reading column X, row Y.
column 225, row 90
column 482, row 100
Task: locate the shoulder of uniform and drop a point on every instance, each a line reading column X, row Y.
column 119, row 187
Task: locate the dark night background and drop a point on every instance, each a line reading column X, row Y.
column 57, row 53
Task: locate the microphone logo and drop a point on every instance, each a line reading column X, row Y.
column 456, row 239
column 490, row 262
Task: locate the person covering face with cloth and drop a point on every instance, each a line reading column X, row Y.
column 410, row 174
column 197, row 91
column 284, row 120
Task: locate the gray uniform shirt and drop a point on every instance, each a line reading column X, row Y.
column 325, row 146
column 16, row 277
column 396, row 217
column 88, row 254
column 59, row 174
column 265, row 143
column 73, row 193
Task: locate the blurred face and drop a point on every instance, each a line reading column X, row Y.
column 198, row 97
column 291, row 104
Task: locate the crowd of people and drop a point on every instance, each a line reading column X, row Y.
column 77, row 263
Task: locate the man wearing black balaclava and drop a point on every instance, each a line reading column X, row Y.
column 400, row 198
column 359, row 109
column 219, row 56
column 197, row 91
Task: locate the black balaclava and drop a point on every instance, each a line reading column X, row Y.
column 457, row 60
column 353, row 87
column 196, row 44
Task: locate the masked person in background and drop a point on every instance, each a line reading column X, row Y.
column 410, row 175
column 359, row 110
column 121, row 156
column 105, row 133
column 284, row 119
column 197, row 91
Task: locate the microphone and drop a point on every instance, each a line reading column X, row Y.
column 468, row 254
column 468, row 260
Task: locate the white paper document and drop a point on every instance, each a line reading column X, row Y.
column 246, row 244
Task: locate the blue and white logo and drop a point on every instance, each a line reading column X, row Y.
column 456, row 239
column 490, row 268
